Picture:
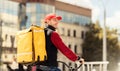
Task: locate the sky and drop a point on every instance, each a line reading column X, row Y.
column 98, row 7
column 112, row 12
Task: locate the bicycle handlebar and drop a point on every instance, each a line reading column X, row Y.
column 72, row 69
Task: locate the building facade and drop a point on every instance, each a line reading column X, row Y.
column 73, row 36
column 9, row 22
column 21, row 14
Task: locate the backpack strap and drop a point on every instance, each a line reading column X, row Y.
column 49, row 31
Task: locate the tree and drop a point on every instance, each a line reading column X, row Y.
column 1, row 40
column 92, row 46
column 113, row 50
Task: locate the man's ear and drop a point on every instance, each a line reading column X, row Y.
column 48, row 21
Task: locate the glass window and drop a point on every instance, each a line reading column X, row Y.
column 75, row 65
column 72, row 18
column 69, row 46
column 6, row 36
column 40, row 11
column 62, row 31
column 74, row 33
column 68, row 32
column 6, row 56
column 10, row 7
column 75, row 49
column 28, row 24
column 63, row 67
column 28, row 20
column 28, row 5
column 23, row 23
column 38, row 19
column 82, row 34
column 38, row 8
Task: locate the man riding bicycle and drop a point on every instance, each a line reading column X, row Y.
column 54, row 42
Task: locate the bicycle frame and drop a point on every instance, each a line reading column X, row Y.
column 70, row 68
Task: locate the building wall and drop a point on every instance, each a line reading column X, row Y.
column 73, row 9
column 37, row 11
column 73, row 42
column 12, row 16
column 50, row 2
column 9, row 17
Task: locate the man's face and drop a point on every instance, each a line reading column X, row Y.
column 53, row 22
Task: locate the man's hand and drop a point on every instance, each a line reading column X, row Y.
column 81, row 60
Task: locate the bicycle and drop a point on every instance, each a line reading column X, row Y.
column 70, row 68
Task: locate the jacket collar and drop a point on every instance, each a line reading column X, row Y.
column 51, row 27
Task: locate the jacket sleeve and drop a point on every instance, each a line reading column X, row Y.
column 57, row 41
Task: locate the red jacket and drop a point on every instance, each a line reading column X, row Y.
column 57, row 41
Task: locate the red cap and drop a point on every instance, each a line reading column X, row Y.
column 50, row 16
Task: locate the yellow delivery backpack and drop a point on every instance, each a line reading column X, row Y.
column 31, row 45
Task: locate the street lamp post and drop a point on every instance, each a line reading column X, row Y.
column 104, row 38
column 104, row 41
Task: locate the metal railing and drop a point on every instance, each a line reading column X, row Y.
column 87, row 66
column 93, row 66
